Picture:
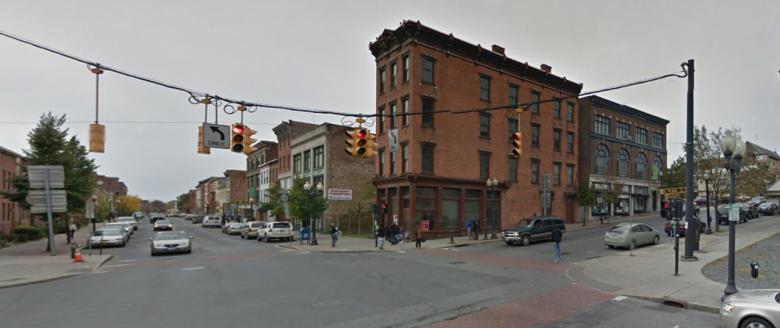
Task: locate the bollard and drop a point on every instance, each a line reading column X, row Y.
column 73, row 250
column 452, row 237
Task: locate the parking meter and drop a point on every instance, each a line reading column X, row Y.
column 754, row 270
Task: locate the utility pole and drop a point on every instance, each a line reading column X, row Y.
column 692, row 230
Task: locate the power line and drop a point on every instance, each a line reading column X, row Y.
column 133, row 122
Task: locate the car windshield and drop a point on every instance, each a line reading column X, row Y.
column 525, row 223
column 108, row 232
column 281, row 225
column 163, row 222
column 621, row 228
column 169, row 235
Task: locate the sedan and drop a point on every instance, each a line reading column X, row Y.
column 128, row 220
column 107, row 237
column 171, row 242
column 723, row 215
column 234, row 228
column 767, row 208
column 751, row 308
column 124, row 226
column 251, row 229
column 161, row 225
column 631, row 235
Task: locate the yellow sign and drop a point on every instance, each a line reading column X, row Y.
column 669, row 191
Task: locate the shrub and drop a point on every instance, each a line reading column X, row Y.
column 22, row 234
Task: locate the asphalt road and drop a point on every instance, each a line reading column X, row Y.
column 231, row 282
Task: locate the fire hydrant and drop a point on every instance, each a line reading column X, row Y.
column 73, row 247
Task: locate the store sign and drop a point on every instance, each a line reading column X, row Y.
column 339, row 194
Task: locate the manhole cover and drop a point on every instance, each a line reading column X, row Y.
column 458, row 262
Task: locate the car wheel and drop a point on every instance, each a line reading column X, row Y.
column 267, row 240
column 525, row 240
column 189, row 250
column 611, row 246
column 754, row 322
column 242, row 237
column 656, row 240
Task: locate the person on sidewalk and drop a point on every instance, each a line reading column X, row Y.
column 470, row 228
column 334, row 234
column 394, row 230
column 381, row 232
column 418, row 236
column 557, row 235
column 71, row 232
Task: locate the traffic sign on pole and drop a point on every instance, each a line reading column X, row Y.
column 216, row 136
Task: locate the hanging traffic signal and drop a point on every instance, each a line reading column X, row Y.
column 370, row 147
column 202, row 149
column 517, row 144
column 352, row 142
column 248, row 141
column 97, row 138
column 237, row 138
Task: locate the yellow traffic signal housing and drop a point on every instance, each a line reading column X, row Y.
column 97, row 138
column 352, row 142
column 202, row 149
column 237, row 138
column 370, row 146
column 517, row 144
column 248, row 141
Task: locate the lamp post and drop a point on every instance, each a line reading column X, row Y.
column 312, row 191
column 733, row 149
column 252, row 208
column 492, row 183
column 707, row 178
column 94, row 212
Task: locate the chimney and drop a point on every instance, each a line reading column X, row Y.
column 547, row 68
column 498, row 49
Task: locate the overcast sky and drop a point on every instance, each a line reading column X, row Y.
column 315, row 54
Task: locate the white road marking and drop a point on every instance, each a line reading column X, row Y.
column 193, row 268
column 100, row 272
column 127, row 261
column 619, row 298
column 402, row 252
column 118, row 265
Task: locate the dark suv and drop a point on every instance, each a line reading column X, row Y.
column 533, row 229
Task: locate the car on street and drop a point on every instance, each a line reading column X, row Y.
column 723, row 215
column 767, row 208
column 758, row 200
column 211, row 221
column 189, row 217
column 234, row 228
column 682, row 228
column 129, row 220
column 154, row 217
column 631, row 235
column 163, row 225
column 758, row 308
column 107, row 237
column 139, row 215
column 197, row 219
column 124, row 226
column 276, row 230
column 251, row 228
column 170, row 242
column 533, row 229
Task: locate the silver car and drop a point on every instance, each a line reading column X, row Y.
column 759, row 308
column 251, row 229
column 107, row 237
column 170, row 242
column 234, row 228
column 128, row 220
column 631, row 235
column 122, row 226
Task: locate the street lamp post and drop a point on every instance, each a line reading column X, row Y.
column 312, row 191
column 707, row 178
column 492, row 183
column 94, row 212
column 733, row 149
column 252, row 209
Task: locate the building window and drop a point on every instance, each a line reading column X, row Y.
column 484, row 165
column 319, row 158
column 641, row 164
column 427, row 110
column 623, row 130
column 484, row 87
column 484, row 124
column 602, row 159
column 535, row 135
column 535, row 95
column 512, row 174
column 297, row 164
column 569, row 111
column 569, row 175
column 307, row 161
column 656, row 169
column 602, row 125
column 534, row 171
column 511, row 124
column 556, row 139
column 557, row 174
column 513, row 95
column 623, row 163
column 392, row 162
column 557, row 109
column 641, row 136
column 382, row 80
column 380, row 126
column 317, row 179
column 381, row 160
column 405, row 111
column 393, row 74
column 392, row 115
column 404, row 158
column 425, row 205
column 405, row 60
column 658, row 140
column 570, row 142
column 427, row 69
column 427, row 158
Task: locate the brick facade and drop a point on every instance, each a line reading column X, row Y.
column 111, row 185
column 11, row 214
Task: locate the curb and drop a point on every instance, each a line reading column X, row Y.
column 479, row 242
column 64, row 276
column 679, row 303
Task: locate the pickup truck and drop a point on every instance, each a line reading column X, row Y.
column 532, row 229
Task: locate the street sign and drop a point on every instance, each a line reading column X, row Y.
column 40, row 209
column 216, row 136
column 392, row 142
column 666, row 191
column 339, row 194
column 283, row 197
column 36, row 174
column 546, row 182
column 38, row 197
column 733, row 213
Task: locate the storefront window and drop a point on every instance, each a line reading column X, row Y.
column 473, row 205
column 425, row 205
column 449, row 208
column 493, row 210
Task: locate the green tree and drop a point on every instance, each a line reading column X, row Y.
column 674, row 176
column 274, row 204
column 585, row 195
column 305, row 204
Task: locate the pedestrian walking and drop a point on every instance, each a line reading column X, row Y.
column 557, row 235
column 394, row 231
column 418, row 237
column 470, row 228
column 381, row 232
column 72, row 231
column 334, row 234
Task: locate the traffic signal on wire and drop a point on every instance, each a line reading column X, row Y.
column 237, row 138
column 97, row 138
column 248, row 141
column 202, row 149
column 360, row 143
column 517, row 144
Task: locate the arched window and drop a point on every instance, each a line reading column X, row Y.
column 641, row 164
column 623, row 163
column 657, row 168
column 602, row 159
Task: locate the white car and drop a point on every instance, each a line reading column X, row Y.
column 124, row 226
column 107, row 237
column 129, row 220
column 211, row 221
column 251, row 229
column 170, row 242
column 276, row 230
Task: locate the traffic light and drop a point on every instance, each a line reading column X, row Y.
column 248, row 141
column 355, row 142
column 517, row 144
column 202, row 149
column 237, row 138
column 97, row 137
column 370, row 145
column 665, row 211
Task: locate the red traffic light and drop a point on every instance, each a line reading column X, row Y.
column 362, row 134
column 238, row 129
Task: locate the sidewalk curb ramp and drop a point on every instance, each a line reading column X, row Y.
column 669, row 301
column 63, row 276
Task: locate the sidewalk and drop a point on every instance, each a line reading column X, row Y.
column 593, row 224
column 29, row 262
column 364, row 245
column 649, row 274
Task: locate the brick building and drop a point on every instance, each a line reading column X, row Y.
column 111, row 185
column 285, row 133
column 260, row 174
column 11, row 214
column 443, row 160
column 622, row 152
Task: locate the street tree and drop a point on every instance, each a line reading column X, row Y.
column 274, row 204
column 305, row 204
column 127, row 205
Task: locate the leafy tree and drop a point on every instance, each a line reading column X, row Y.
column 585, row 195
column 305, row 204
column 126, row 205
column 274, row 204
column 674, row 176
column 183, row 202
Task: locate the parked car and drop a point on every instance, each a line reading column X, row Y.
column 723, row 215
column 211, row 221
column 189, row 217
column 234, row 228
column 197, row 219
column 276, row 230
column 750, row 209
column 758, row 200
column 631, row 235
column 768, row 208
column 163, row 225
column 156, row 217
column 681, row 228
column 129, row 220
column 170, row 242
column 751, row 308
column 251, row 228
column 138, row 216
column 533, row 229
column 107, row 237
column 124, row 226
